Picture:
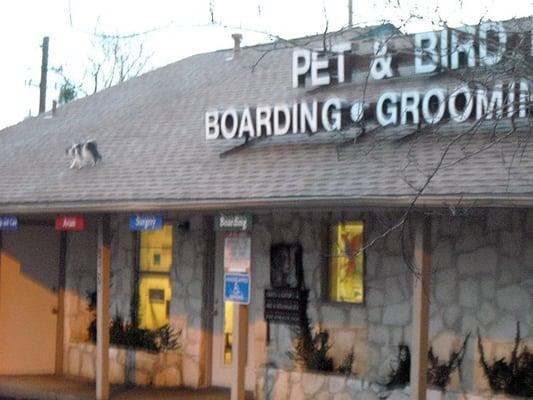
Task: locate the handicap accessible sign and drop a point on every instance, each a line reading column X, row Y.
column 237, row 288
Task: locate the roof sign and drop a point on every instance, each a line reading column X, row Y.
column 432, row 52
column 70, row 223
column 9, row 223
column 147, row 222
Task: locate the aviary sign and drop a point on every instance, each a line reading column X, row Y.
column 70, row 223
column 449, row 49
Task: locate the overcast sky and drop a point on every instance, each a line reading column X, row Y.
column 180, row 28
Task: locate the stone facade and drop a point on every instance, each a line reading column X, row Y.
column 482, row 279
column 481, row 262
column 279, row 384
column 185, row 308
column 127, row 366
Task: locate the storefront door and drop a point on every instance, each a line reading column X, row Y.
column 29, row 275
column 223, row 329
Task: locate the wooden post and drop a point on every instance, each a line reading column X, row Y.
column 102, row 309
column 240, row 348
column 61, row 304
column 44, row 73
column 420, row 327
column 350, row 13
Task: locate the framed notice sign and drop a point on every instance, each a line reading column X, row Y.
column 237, row 252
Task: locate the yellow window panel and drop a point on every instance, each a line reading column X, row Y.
column 346, row 278
column 156, row 250
column 159, row 238
column 154, row 296
column 228, row 332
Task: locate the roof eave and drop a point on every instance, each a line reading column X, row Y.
column 114, row 206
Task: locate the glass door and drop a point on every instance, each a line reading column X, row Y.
column 223, row 329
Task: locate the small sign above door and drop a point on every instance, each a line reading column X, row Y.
column 70, row 223
column 233, row 222
column 9, row 223
column 146, row 222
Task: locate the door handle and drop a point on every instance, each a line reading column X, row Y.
column 54, row 310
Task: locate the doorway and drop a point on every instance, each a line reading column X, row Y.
column 29, row 286
column 222, row 352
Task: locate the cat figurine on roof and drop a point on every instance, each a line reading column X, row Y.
column 83, row 154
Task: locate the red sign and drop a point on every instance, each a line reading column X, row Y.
column 70, row 223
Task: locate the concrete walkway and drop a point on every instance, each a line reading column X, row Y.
column 60, row 388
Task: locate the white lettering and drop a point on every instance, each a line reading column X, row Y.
column 263, row 116
column 409, row 105
column 319, row 62
column 434, row 117
column 340, row 49
column 496, row 57
column 461, row 113
column 230, row 131
column 523, row 98
column 465, row 46
column 309, row 117
column 279, row 128
column 246, row 127
column 486, row 109
column 212, row 130
column 426, row 55
column 390, row 115
column 444, row 48
column 335, row 105
column 510, row 99
column 301, row 62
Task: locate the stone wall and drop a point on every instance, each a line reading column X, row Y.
column 186, row 304
column 373, row 329
column 127, row 366
column 186, row 308
column 482, row 263
column 279, row 384
column 80, row 280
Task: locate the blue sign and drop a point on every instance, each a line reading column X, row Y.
column 9, row 223
column 237, row 288
column 147, row 222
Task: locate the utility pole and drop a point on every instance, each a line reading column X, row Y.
column 44, row 73
column 350, row 14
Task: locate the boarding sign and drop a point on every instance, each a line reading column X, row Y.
column 9, row 223
column 70, row 223
column 146, row 222
column 233, row 222
column 237, row 288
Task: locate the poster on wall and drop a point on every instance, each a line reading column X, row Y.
column 347, row 268
column 237, row 252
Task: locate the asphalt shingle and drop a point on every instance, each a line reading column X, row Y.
column 150, row 132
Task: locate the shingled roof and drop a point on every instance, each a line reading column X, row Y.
column 150, row 132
